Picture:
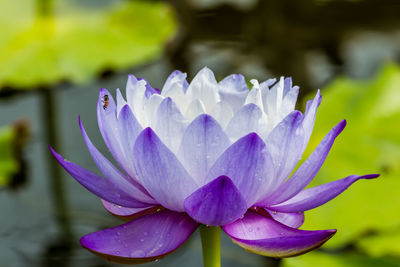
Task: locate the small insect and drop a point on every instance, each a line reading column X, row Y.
column 105, row 101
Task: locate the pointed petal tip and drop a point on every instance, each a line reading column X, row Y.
column 216, row 203
column 267, row 237
column 103, row 91
column 371, row 176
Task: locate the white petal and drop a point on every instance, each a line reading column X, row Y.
column 250, row 118
column 233, row 90
column 204, row 87
column 254, row 95
column 170, row 124
column 151, row 107
column 195, row 109
column 222, row 112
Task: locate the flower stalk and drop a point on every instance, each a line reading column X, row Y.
column 211, row 245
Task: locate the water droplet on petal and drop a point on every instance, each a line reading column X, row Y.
column 138, row 254
column 141, row 240
column 145, row 233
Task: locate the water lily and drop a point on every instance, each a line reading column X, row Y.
column 207, row 154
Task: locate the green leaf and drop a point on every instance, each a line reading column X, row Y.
column 8, row 163
column 338, row 260
column 369, row 144
column 77, row 42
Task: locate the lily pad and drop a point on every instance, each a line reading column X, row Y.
column 8, row 163
column 76, row 42
column 338, row 260
column 369, row 144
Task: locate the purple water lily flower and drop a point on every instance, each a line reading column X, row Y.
column 211, row 153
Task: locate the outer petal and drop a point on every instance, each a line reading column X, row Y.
column 294, row 220
column 108, row 125
column 204, row 87
column 99, row 186
column 127, row 185
column 233, row 90
column 161, row 173
column 203, row 142
column 170, row 124
column 316, row 196
column 267, row 237
column 248, row 165
column 309, row 117
column 120, row 101
column 128, row 129
column 142, row 240
column 217, row 203
column 284, row 144
column 250, row 118
column 129, row 213
column 307, row 171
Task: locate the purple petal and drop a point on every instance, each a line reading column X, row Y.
column 170, row 124
column 128, row 129
column 120, row 101
column 161, row 173
column 129, row 213
column 203, row 142
column 149, row 90
column 309, row 117
column 108, row 125
column 145, row 239
column 233, row 90
column 217, row 203
column 127, row 185
column 250, row 118
column 248, row 165
column 316, row 196
column 99, row 186
column 284, row 144
column 294, row 220
column 307, row 171
column 264, row 236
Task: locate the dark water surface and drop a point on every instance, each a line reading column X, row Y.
column 42, row 221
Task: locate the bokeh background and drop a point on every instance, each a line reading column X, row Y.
column 55, row 55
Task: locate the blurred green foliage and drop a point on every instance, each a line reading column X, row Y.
column 338, row 260
column 8, row 162
column 76, row 42
column 367, row 215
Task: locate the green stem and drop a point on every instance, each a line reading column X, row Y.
column 211, row 244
